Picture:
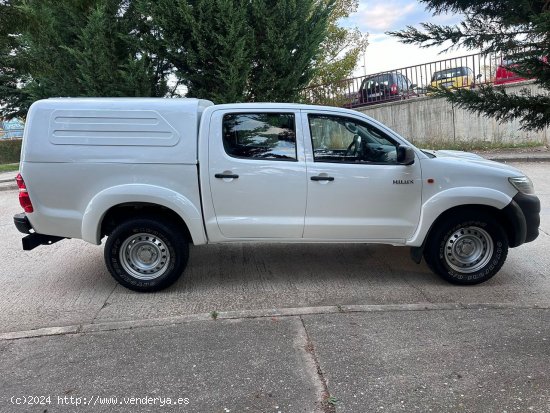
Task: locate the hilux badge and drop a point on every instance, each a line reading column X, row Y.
column 403, row 182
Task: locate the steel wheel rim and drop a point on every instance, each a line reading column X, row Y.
column 468, row 249
column 144, row 256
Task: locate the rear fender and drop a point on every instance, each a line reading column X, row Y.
column 140, row 193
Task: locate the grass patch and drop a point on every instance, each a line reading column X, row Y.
column 10, row 150
column 9, row 167
column 476, row 145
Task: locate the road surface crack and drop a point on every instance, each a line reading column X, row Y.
column 327, row 401
column 105, row 303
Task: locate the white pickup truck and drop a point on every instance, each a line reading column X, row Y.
column 154, row 175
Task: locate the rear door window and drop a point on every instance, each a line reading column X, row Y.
column 270, row 136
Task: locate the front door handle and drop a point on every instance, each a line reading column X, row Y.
column 226, row 176
column 322, row 178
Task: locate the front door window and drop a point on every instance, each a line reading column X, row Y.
column 343, row 140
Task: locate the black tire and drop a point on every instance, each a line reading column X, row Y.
column 467, row 247
column 156, row 254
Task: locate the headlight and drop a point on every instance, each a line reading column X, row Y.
column 523, row 185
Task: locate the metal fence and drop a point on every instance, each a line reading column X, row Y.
column 413, row 81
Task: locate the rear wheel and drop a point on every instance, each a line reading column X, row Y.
column 146, row 255
column 467, row 248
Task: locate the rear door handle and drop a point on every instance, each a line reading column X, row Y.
column 226, row 176
column 322, row 178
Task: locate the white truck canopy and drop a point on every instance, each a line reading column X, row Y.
column 109, row 130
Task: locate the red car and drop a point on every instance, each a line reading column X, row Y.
column 504, row 75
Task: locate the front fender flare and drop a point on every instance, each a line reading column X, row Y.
column 142, row 193
column 451, row 198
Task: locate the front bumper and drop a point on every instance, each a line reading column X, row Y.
column 33, row 239
column 523, row 213
column 530, row 206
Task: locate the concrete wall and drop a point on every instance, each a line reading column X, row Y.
column 427, row 119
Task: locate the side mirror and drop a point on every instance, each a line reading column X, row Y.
column 405, row 155
column 479, row 76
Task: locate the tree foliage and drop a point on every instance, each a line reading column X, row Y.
column 288, row 35
column 510, row 27
column 11, row 74
column 208, row 43
column 67, row 48
column 342, row 47
column 339, row 55
column 236, row 50
column 223, row 50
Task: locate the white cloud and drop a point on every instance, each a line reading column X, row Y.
column 380, row 16
column 387, row 53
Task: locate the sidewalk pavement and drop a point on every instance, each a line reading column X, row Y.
column 538, row 154
column 7, row 181
column 8, row 176
column 542, row 154
column 435, row 360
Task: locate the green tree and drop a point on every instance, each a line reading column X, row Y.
column 339, row 55
column 208, row 42
column 518, row 27
column 237, row 50
column 224, row 50
column 288, row 38
column 106, row 58
column 12, row 72
column 68, row 48
column 342, row 47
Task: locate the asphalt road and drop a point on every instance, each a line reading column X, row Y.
column 466, row 361
column 68, row 284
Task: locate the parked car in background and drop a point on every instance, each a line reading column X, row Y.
column 456, row 77
column 505, row 74
column 384, row 87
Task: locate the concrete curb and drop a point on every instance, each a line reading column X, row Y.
column 265, row 313
column 518, row 158
column 7, row 181
column 8, row 186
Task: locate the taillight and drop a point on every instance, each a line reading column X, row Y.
column 24, row 198
column 393, row 89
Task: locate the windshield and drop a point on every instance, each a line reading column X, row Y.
column 372, row 82
column 450, row 73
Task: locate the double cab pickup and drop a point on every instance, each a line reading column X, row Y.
column 154, row 175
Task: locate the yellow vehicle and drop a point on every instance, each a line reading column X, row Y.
column 453, row 78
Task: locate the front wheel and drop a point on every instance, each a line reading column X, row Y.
column 467, row 248
column 146, row 255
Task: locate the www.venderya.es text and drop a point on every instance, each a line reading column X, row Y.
column 95, row 400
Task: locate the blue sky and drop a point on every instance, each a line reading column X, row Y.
column 384, row 52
